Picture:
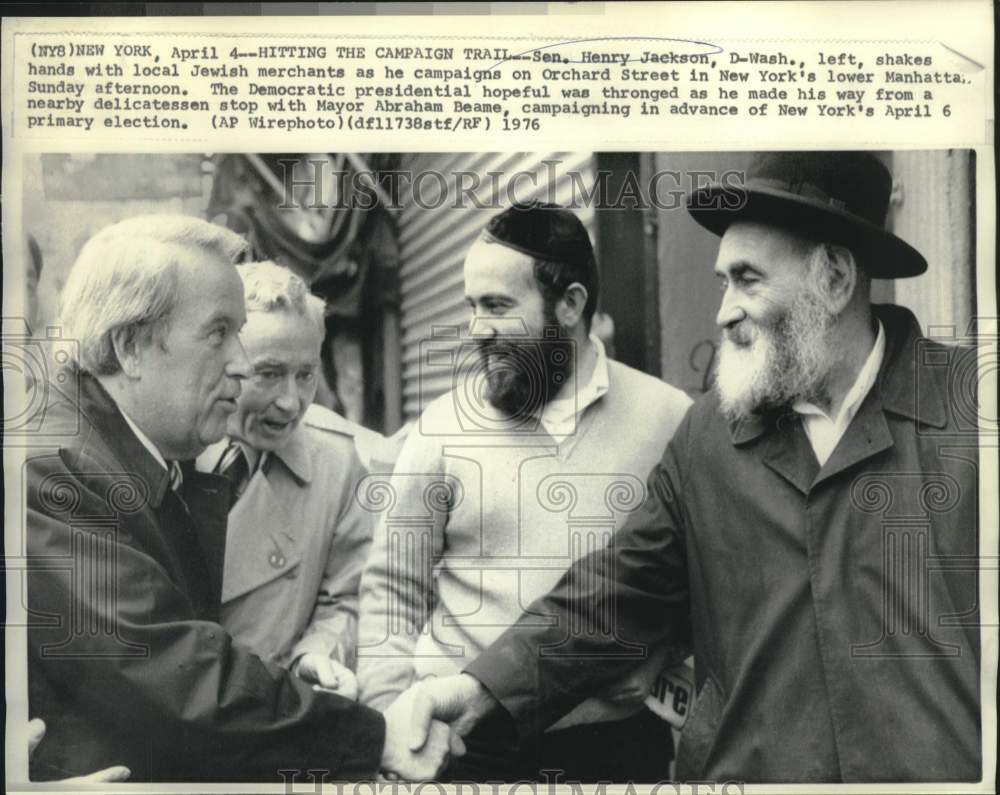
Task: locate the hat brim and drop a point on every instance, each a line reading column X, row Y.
column 884, row 255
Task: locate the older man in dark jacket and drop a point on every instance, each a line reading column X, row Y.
column 812, row 526
column 126, row 541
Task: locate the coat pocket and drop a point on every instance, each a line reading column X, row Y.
column 699, row 732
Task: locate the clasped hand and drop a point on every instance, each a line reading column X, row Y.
column 425, row 725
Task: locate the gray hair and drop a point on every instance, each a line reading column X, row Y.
column 819, row 265
column 269, row 287
column 126, row 277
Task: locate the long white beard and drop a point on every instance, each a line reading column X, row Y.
column 785, row 362
column 743, row 374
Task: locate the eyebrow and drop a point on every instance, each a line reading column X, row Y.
column 217, row 317
column 735, row 268
column 490, row 297
column 279, row 365
column 267, row 363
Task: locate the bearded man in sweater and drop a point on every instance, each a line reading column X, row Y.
column 535, row 457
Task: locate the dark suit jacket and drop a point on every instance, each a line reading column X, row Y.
column 833, row 609
column 127, row 662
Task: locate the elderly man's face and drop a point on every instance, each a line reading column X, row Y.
column 524, row 369
column 284, row 352
column 190, row 372
column 775, row 341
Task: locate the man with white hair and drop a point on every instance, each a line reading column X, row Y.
column 290, row 589
column 812, row 526
column 127, row 662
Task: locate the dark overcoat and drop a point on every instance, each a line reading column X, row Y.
column 833, row 610
column 127, row 663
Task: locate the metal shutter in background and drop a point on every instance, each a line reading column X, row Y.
column 435, row 233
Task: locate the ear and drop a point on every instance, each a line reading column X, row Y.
column 129, row 344
column 569, row 308
column 839, row 279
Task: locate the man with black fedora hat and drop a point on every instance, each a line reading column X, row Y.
column 536, row 454
column 811, row 527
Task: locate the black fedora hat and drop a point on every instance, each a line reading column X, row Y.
column 841, row 197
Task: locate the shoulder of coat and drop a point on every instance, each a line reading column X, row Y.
column 647, row 390
column 370, row 446
column 323, row 419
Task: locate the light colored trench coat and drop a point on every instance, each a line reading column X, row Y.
column 296, row 544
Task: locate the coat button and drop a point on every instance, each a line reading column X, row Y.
column 276, row 559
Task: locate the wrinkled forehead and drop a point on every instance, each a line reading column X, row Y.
column 761, row 245
column 207, row 286
column 282, row 335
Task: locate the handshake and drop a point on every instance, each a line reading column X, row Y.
column 424, row 727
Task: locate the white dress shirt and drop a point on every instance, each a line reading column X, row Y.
column 824, row 431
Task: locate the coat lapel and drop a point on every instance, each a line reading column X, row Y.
column 785, row 448
column 866, row 436
column 897, row 390
column 197, row 561
column 207, row 497
column 101, row 410
column 782, row 445
column 262, row 540
column 786, row 451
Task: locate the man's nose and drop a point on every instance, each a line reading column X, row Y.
column 730, row 312
column 290, row 398
column 238, row 365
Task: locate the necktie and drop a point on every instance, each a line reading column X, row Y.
column 235, row 468
column 176, row 475
column 175, row 472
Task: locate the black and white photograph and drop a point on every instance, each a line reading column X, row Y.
column 636, row 467
column 484, row 398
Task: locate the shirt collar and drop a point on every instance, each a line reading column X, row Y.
column 595, row 388
column 905, row 387
column 861, row 387
column 913, row 382
column 600, row 379
column 146, row 441
column 294, row 454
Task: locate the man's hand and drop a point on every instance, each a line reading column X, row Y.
column 36, row 731
column 460, row 700
column 400, row 759
column 325, row 673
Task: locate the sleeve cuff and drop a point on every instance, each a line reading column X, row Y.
column 513, row 692
column 354, row 744
column 317, row 644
